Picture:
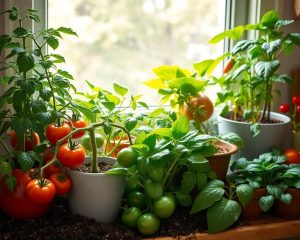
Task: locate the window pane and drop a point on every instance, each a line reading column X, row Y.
column 122, row 41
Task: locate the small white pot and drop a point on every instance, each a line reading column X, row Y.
column 96, row 195
column 271, row 136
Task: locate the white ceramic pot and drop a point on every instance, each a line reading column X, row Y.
column 271, row 135
column 96, row 195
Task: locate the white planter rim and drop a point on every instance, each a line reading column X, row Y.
column 88, row 160
column 277, row 116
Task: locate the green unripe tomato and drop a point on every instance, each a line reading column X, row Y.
column 164, row 207
column 86, row 143
column 148, row 224
column 126, row 157
column 137, row 199
column 153, row 189
column 130, row 216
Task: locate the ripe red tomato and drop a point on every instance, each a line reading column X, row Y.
column 16, row 203
column 40, row 191
column 284, row 108
column 292, row 156
column 69, row 157
column 296, row 100
column 28, row 143
column 198, row 103
column 62, row 183
column 55, row 132
column 298, row 109
column 228, row 66
column 79, row 124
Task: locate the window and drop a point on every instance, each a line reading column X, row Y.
column 122, row 41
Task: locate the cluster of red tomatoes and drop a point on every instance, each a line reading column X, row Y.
column 55, row 182
column 284, row 108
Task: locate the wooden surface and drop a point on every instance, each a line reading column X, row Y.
column 266, row 228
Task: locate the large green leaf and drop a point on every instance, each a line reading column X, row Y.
column 286, row 198
column 180, row 127
column 269, row 19
column 222, row 215
column 202, row 67
column 120, row 89
column 274, row 190
column 25, row 62
column 67, row 31
column 266, row 69
column 266, row 202
column 210, row 194
column 271, row 47
column 184, row 199
column 52, row 42
column 164, row 132
column 187, row 84
column 27, row 159
column 294, row 37
column 233, row 34
column 21, row 32
column 166, row 72
column 244, row 193
column 242, row 45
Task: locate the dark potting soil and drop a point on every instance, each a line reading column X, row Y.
column 102, row 166
column 241, row 119
column 61, row 224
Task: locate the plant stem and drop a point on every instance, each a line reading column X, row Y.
column 94, row 151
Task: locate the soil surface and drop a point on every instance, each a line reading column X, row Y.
column 61, row 224
column 241, row 119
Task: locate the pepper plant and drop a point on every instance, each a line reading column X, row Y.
column 248, row 86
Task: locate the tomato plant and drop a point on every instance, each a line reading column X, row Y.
column 55, row 132
column 28, row 141
column 54, row 167
column 71, row 155
column 61, row 182
column 40, row 191
column 80, row 123
column 164, row 207
column 296, row 100
column 292, row 156
column 200, row 108
column 86, row 142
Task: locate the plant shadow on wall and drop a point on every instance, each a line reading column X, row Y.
column 247, row 85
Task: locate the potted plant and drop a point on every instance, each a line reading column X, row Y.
column 185, row 92
column 170, row 169
column 267, row 174
column 36, row 94
column 247, row 85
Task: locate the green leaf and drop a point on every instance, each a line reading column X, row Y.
column 21, row 32
column 222, row 215
column 120, row 90
column 180, row 127
column 87, row 112
column 201, row 180
column 274, row 190
column 166, row 72
column 242, row 45
column 20, row 125
column 130, row 123
column 163, row 132
column 4, row 39
column 58, row 58
column 294, row 37
column 109, row 105
column 69, row 31
column 150, row 141
column 233, row 34
column 184, row 199
column 25, row 62
column 188, row 182
column 52, row 42
column 181, row 83
column 271, row 47
column 286, row 198
column 244, row 193
column 5, row 168
column 202, row 67
column 160, row 155
column 27, row 160
column 116, row 171
column 269, row 19
column 155, row 83
column 10, row 182
column 210, row 194
column 153, row 189
column 283, row 78
column 266, row 69
column 266, row 202
column 65, row 74
column 255, row 129
column 233, row 138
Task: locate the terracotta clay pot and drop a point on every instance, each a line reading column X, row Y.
column 253, row 211
column 219, row 162
column 292, row 210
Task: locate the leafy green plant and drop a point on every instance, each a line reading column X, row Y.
column 267, row 171
column 248, row 86
column 171, row 167
column 223, row 203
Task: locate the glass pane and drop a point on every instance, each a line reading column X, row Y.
column 122, row 41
